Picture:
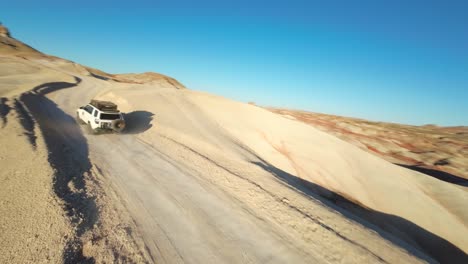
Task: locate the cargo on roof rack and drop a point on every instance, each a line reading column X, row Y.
column 104, row 105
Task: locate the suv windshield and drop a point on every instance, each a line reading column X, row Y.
column 110, row 116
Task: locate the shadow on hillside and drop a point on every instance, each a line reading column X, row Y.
column 398, row 230
column 68, row 155
column 99, row 77
column 46, row 88
column 138, row 122
column 26, row 115
column 26, row 121
column 441, row 175
column 4, row 110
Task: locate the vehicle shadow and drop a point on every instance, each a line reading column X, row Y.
column 137, row 122
column 395, row 229
column 440, row 175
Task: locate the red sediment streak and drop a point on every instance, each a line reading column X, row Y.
column 407, row 146
column 407, row 160
column 374, row 150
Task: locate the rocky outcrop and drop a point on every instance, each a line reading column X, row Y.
column 4, row 32
column 11, row 46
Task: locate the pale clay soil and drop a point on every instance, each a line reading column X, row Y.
column 198, row 178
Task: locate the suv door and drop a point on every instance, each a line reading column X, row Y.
column 87, row 113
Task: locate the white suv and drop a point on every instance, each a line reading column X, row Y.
column 101, row 115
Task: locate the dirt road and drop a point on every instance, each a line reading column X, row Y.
column 193, row 208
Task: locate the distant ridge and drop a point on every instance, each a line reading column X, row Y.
column 13, row 47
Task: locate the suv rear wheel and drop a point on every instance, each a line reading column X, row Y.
column 91, row 130
column 78, row 119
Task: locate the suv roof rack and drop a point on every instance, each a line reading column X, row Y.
column 104, row 105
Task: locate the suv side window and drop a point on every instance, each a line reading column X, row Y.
column 95, row 112
column 88, row 109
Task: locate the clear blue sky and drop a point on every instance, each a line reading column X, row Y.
column 398, row 61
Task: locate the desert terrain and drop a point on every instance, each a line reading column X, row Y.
column 198, row 178
column 441, row 152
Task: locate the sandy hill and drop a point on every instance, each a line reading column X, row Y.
column 441, row 152
column 150, row 78
column 11, row 46
column 199, row 178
